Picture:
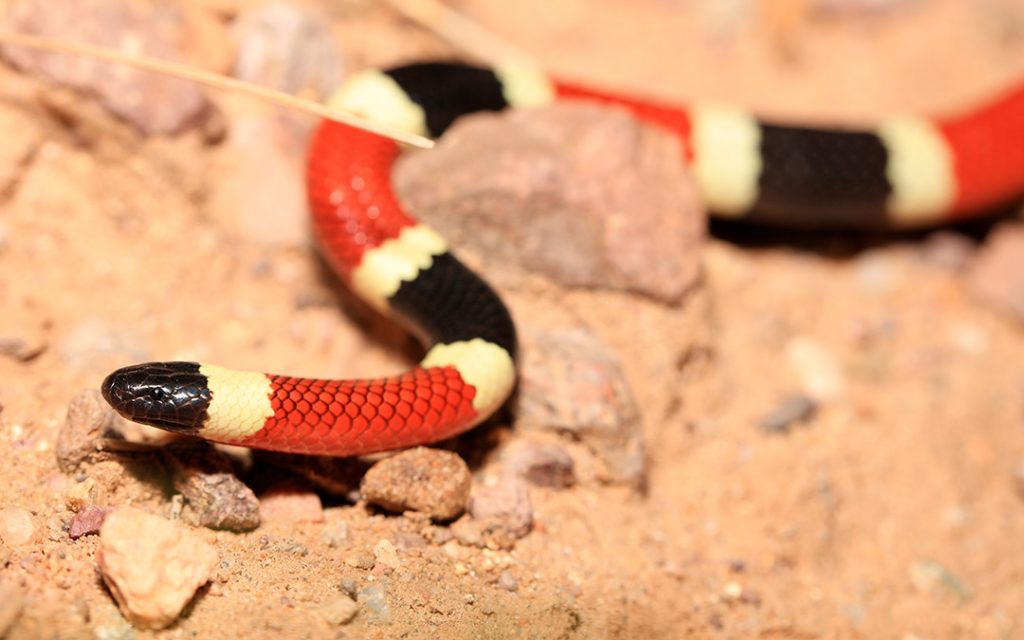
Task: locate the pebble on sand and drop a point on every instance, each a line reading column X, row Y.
column 571, row 382
column 385, row 554
column 216, row 497
column 16, row 526
column 544, row 464
column 152, row 566
column 820, row 375
column 139, row 97
column 792, row 409
column 507, row 581
column 503, row 507
column 339, row 610
column 89, row 417
column 290, row 503
column 430, row 481
column 88, row 521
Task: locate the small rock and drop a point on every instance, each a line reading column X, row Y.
column 507, row 581
column 441, row 535
column 339, row 610
column 22, row 347
column 216, row 497
column 16, row 526
column 793, row 409
column 732, row 591
column 385, row 554
column 116, row 631
column 348, row 587
column 929, row 576
column 11, row 605
column 468, row 532
column 541, row 463
column 948, row 250
column 81, row 495
column 88, row 521
column 430, row 481
column 89, row 417
column 287, row 48
column 997, row 275
column 820, row 375
column 373, row 600
column 152, row 566
column 361, row 560
column 571, row 382
column 149, row 29
column 289, row 503
column 406, row 540
column 335, row 534
column 505, row 505
column 587, row 195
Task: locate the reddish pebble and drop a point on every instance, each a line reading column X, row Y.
column 88, row 521
column 505, row 505
column 289, row 503
column 426, row 480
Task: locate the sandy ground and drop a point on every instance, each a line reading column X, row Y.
column 891, row 513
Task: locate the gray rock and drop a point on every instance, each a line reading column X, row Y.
column 89, row 417
column 571, row 383
column 154, row 103
column 216, row 498
column 335, row 534
column 374, row 603
column 589, row 197
column 502, row 510
column 793, row 409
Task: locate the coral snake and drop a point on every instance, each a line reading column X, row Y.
column 907, row 171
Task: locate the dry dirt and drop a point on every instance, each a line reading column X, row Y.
column 891, row 513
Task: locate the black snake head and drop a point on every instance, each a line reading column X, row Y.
column 169, row 395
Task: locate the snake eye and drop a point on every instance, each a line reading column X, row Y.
column 157, row 393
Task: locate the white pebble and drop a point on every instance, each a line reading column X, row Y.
column 152, row 566
column 820, row 375
column 16, row 526
column 385, row 554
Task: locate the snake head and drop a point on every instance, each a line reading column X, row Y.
column 169, row 395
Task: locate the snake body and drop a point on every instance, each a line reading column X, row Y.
column 907, row 171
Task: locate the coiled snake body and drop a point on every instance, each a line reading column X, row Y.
column 908, row 171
